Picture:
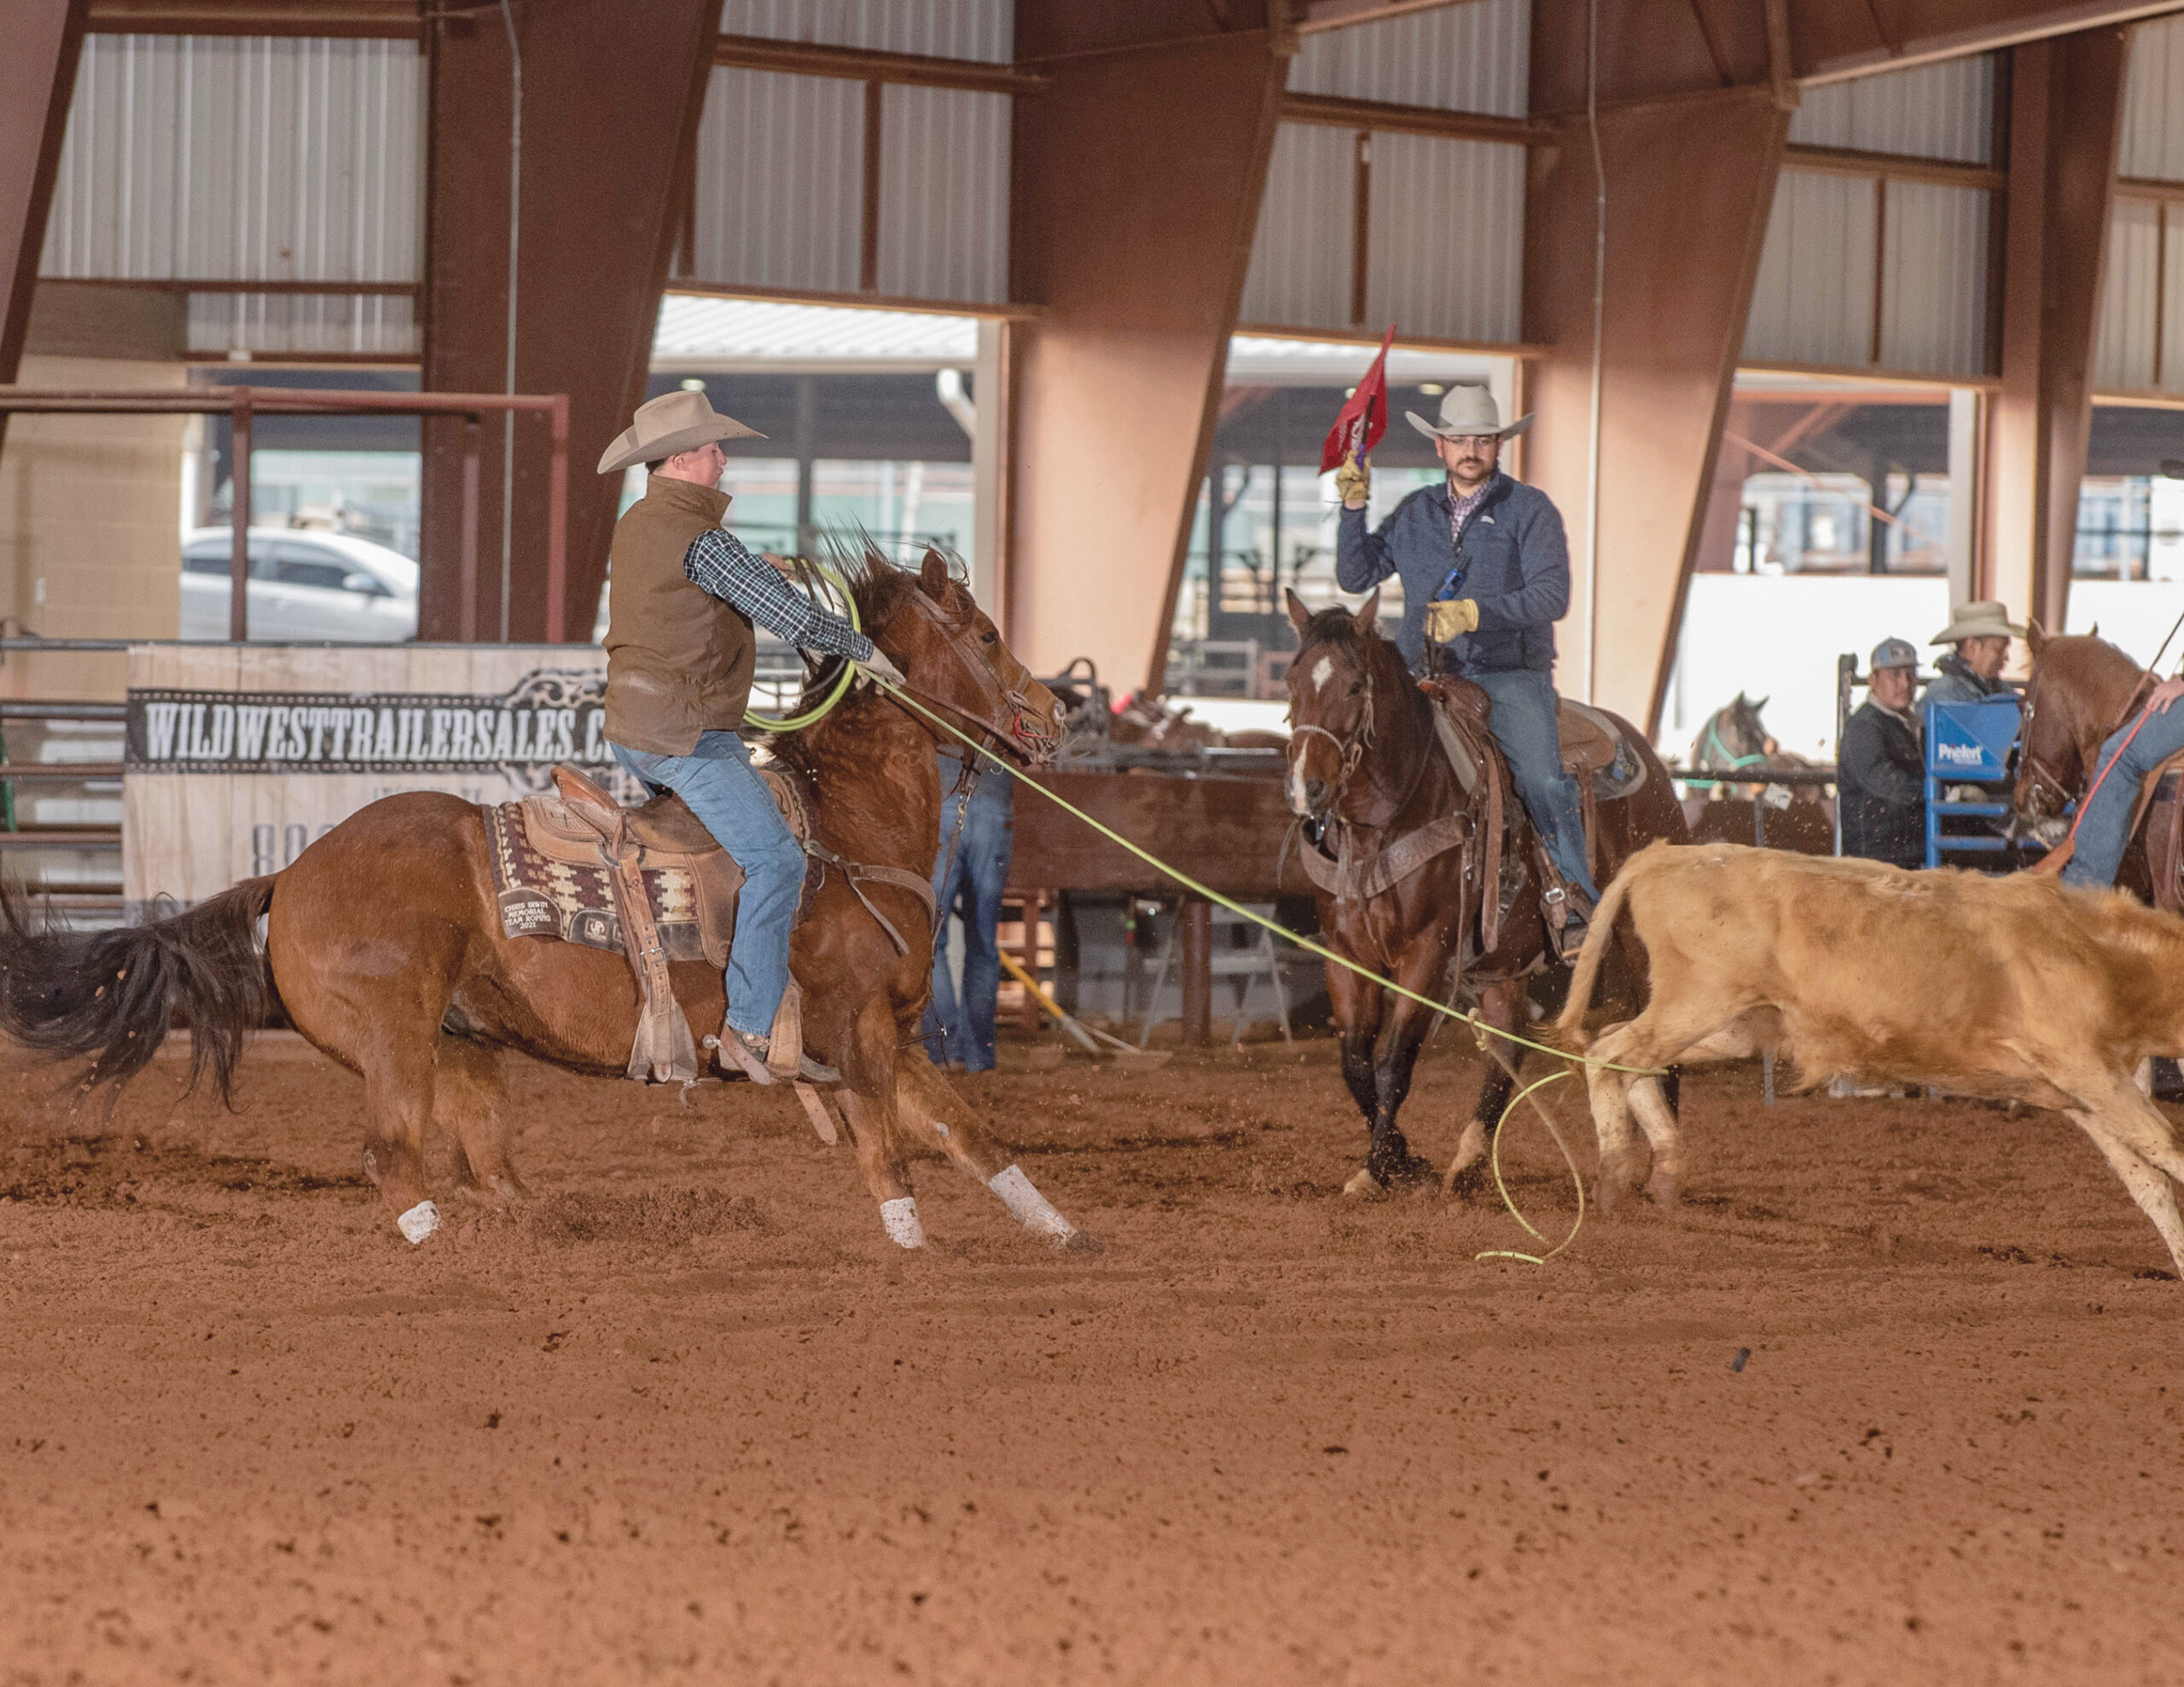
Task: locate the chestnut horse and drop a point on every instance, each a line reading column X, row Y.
column 383, row 943
column 2082, row 689
column 1365, row 760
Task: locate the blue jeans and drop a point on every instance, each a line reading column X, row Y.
column 726, row 794
column 1523, row 724
column 2105, row 823
column 959, row 1031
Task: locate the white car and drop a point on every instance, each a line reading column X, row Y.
column 304, row 585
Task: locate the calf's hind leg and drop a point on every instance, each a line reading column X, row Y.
column 2137, row 1141
column 926, row 1105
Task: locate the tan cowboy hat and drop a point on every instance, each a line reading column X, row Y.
column 668, row 426
column 1467, row 411
column 1983, row 619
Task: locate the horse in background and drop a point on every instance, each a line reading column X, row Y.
column 1799, row 818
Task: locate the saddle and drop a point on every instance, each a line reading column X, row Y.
column 1595, row 750
column 573, row 864
column 650, row 881
column 2161, row 805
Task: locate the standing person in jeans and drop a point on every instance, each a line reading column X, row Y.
column 959, row 1029
column 683, row 604
column 1485, row 572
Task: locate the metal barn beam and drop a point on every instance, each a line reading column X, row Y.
column 2065, row 106
column 37, row 79
column 609, row 110
column 1137, row 186
column 1689, row 187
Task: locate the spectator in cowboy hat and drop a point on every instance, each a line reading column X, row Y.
column 1881, row 780
column 1485, row 572
column 1972, row 672
column 683, row 602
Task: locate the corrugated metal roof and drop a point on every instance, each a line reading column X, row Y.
column 2152, row 145
column 2142, row 294
column 944, row 195
column 1299, row 274
column 1475, row 57
column 1943, row 110
column 1813, row 302
column 780, row 166
column 727, row 334
column 240, row 159
column 943, row 29
column 1446, row 242
column 1933, row 315
column 310, row 324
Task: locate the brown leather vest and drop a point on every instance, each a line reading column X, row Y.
column 679, row 660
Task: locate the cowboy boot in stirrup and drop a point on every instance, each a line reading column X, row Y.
column 785, row 1055
column 737, row 1053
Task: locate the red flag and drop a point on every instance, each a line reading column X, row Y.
column 1364, row 415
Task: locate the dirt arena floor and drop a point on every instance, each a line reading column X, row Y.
column 693, row 1418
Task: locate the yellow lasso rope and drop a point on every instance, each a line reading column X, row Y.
column 1260, row 919
column 1576, row 1177
column 818, row 712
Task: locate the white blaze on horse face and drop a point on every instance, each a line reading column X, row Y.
column 1322, row 671
column 1298, row 805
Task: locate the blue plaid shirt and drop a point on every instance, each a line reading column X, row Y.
column 717, row 563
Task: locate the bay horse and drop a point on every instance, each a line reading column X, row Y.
column 2082, row 689
column 383, row 943
column 1366, row 761
column 1735, row 740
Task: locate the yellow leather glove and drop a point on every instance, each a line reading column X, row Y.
column 1353, row 480
column 1444, row 621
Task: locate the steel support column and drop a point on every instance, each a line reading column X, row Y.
column 37, row 79
column 1137, row 186
column 2066, row 98
column 610, row 109
column 1689, row 187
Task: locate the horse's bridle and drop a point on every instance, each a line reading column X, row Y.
column 1011, row 720
column 1350, row 747
column 2043, row 780
column 1728, row 763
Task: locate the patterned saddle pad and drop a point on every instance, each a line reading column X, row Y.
column 554, row 878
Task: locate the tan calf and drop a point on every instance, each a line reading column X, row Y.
column 2013, row 988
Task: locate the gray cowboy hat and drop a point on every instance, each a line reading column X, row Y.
column 668, row 426
column 1466, row 412
column 1983, row 619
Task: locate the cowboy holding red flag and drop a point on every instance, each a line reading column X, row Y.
column 1485, row 571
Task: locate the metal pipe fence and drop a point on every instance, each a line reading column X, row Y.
column 240, row 404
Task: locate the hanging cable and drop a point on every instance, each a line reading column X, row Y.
column 1599, row 348
column 515, row 247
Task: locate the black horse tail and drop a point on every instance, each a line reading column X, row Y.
column 113, row 994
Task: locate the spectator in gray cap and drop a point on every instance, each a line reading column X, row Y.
column 1880, row 774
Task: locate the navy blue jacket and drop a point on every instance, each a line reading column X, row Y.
column 1516, row 566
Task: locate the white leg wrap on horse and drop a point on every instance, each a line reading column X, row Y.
column 419, row 1222
column 1031, row 1208
column 899, row 1218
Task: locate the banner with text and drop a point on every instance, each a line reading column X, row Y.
column 237, row 757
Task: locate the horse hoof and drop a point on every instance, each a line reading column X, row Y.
column 1606, row 1196
column 1463, row 1182
column 1411, row 1173
column 1365, row 1186
column 1661, row 1188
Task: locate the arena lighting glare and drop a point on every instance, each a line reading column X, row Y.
column 1432, row 389
column 694, row 384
